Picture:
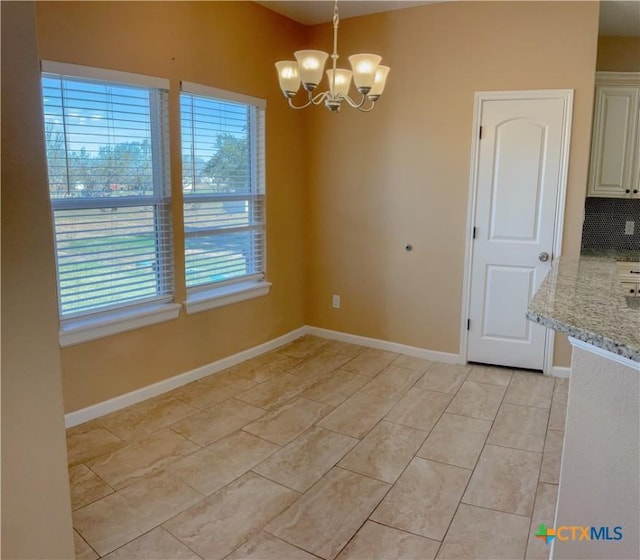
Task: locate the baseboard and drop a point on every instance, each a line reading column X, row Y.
column 559, row 371
column 95, row 411
column 386, row 345
column 122, row 401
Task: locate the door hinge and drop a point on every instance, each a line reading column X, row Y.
column 468, row 324
column 475, row 231
column 480, row 134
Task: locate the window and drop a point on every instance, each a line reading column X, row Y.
column 224, row 201
column 108, row 184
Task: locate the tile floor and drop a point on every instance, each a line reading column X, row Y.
column 324, row 449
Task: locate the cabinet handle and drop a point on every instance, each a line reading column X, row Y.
column 632, row 291
column 635, row 191
column 627, row 191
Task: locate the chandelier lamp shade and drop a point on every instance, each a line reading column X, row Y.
column 368, row 75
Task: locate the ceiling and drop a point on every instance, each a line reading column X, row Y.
column 617, row 17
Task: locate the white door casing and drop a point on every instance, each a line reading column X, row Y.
column 517, row 197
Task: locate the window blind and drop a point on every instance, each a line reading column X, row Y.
column 106, row 152
column 223, row 185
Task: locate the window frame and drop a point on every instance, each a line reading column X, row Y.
column 210, row 295
column 89, row 324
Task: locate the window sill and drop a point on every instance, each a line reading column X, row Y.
column 225, row 295
column 79, row 330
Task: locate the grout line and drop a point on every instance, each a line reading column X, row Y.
column 475, row 466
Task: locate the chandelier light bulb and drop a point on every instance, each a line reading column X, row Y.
column 289, row 77
column 364, row 68
column 311, row 66
column 379, row 83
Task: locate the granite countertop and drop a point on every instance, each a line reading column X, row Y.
column 583, row 298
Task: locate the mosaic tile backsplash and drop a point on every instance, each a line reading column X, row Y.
column 604, row 223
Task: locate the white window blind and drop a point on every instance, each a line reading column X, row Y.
column 223, row 184
column 106, row 147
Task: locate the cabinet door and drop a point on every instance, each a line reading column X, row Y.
column 614, row 147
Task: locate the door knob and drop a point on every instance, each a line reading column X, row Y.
column 544, row 257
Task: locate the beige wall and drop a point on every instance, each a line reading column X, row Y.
column 228, row 45
column 401, row 174
column 618, row 54
column 36, row 509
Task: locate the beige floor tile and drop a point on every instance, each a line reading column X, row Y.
column 409, row 362
column 306, row 459
column 82, row 549
column 121, row 517
column 215, row 466
column 424, row 498
column 505, row 480
column 141, row 457
column 543, row 512
column 362, row 411
column 385, row 451
column 478, row 400
column 157, row 545
column 378, row 542
column 552, row 457
column 561, row 385
column 264, row 367
column 86, row 486
column 340, row 347
column 90, row 440
column 218, row 421
column 220, row 523
column 419, row 409
column 446, row 378
column 370, row 362
column 213, row 389
column 456, row 440
column 478, row 533
column 323, row 520
column 522, row 427
column 303, row 347
column 319, row 366
column 147, row 416
column 267, row 547
column 288, row 422
column 491, row 375
column 336, row 387
column 275, row 392
column 558, row 416
column 528, row 389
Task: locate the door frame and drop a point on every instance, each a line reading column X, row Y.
column 480, row 97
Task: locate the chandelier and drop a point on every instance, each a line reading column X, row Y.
column 368, row 75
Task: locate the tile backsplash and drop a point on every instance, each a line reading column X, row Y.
column 604, row 223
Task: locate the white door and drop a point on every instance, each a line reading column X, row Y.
column 521, row 162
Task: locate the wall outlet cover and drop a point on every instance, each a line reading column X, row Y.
column 629, row 227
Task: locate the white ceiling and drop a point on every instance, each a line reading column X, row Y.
column 617, row 17
column 312, row 12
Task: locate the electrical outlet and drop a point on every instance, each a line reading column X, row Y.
column 335, row 301
column 629, row 227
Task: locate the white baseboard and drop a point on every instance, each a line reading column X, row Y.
column 386, row 345
column 100, row 409
column 95, row 411
column 558, row 371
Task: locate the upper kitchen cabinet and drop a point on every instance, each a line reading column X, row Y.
column 615, row 148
